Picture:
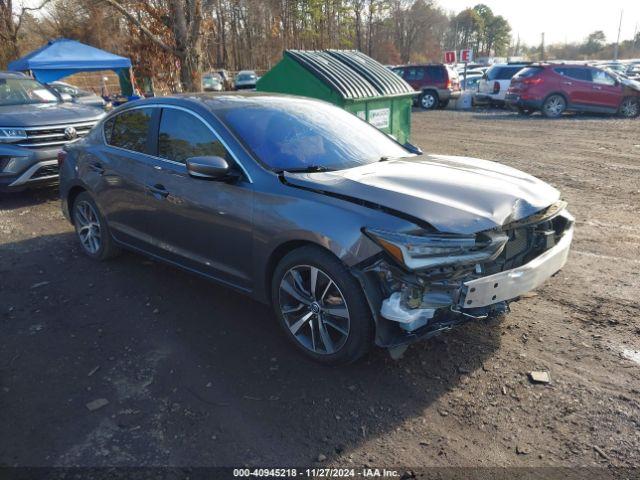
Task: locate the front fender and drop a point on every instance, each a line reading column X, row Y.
column 284, row 222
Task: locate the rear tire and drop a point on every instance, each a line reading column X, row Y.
column 92, row 229
column 429, row 100
column 630, row 107
column 554, row 106
column 331, row 323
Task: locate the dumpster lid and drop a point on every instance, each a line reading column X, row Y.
column 343, row 79
column 383, row 79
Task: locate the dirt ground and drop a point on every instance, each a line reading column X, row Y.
column 197, row 375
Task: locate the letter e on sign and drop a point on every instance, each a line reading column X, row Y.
column 466, row 56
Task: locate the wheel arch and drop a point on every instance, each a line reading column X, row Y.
column 72, row 194
column 562, row 94
column 281, row 251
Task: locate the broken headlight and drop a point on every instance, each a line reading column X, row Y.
column 418, row 252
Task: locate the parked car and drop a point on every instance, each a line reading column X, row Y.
column 556, row 88
column 438, row 83
column 77, row 95
column 493, row 86
column 212, row 82
column 470, row 82
column 227, row 79
column 352, row 238
column 245, row 79
column 34, row 125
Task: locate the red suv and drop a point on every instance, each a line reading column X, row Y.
column 556, row 88
column 438, row 83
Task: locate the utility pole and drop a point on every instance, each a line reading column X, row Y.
column 615, row 51
column 542, row 48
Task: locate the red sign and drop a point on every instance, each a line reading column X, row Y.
column 450, row 57
column 466, row 56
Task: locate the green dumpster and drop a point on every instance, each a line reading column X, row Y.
column 350, row 80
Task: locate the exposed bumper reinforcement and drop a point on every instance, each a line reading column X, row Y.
column 513, row 283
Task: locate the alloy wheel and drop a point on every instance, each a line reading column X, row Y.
column 428, row 101
column 314, row 309
column 554, row 106
column 88, row 227
column 630, row 108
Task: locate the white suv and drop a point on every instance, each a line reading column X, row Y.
column 495, row 82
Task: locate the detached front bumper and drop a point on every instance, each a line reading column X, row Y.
column 415, row 304
column 518, row 281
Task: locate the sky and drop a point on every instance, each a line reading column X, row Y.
column 560, row 20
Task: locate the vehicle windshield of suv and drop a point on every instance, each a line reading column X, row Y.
column 502, row 73
column 308, row 136
column 24, row 91
column 243, row 77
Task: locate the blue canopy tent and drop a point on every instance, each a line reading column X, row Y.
column 61, row 58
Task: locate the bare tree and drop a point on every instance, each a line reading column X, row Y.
column 10, row 27
column 184, row 22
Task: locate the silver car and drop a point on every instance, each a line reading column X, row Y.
column 353, row 239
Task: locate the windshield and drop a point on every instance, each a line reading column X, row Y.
column 246, row 76
column 300, row 135
column 23, row 91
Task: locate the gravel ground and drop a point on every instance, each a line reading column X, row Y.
column 197, row 375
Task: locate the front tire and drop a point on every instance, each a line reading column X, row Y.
column 321, row 307
column 554, row 106
column 630, row 107
column 92, row 229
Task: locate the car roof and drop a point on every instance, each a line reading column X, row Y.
column 214, row 101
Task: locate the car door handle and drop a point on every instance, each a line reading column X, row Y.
column 158, row 190
column 567, row 83
column 96, row 167
column 597, row 88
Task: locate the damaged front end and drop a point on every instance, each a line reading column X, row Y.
column 426, row 283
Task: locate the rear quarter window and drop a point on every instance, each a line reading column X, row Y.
column 130, row 129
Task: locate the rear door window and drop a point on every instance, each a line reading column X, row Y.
column 129, row 130
column 182, row 136
column 414, row 73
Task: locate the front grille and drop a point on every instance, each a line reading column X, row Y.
column 530, row 237
column 55, row 135
column 46, row 171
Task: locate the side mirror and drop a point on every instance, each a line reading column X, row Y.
column 413, row 148
column 207, row 167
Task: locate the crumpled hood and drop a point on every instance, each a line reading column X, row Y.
column 632, row 84
column 44, row 114
column 453, row 194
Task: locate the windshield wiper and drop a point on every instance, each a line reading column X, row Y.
column 308, row 169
